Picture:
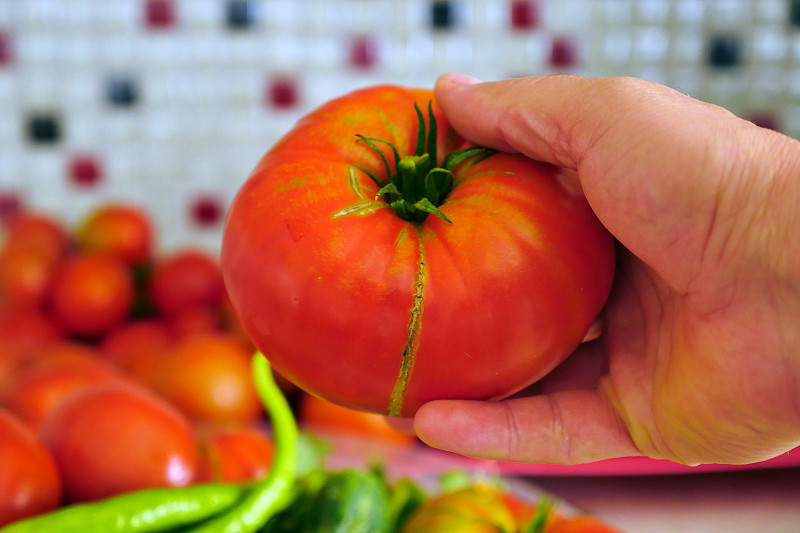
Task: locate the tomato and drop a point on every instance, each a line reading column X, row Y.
column 473, row 509
column 578, row 524
column 91, row 293
column 138, row 348
column 208, row 377
column 40, row 232
column 185, row 280
column 365, row 308
column 195, row 321
column 25, row 276
column 57, row 372
column 233, row 454
column 322, row 416
column 29, row 479
column 123, row 231
column 112, row 438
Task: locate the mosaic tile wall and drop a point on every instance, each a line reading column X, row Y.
column 169, row 103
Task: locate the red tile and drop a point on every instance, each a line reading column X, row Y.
column 6, row 49
column 525, row 14
column 564, row 53
column 765, row 120
column 10, row 204
column 159, row 13
column 206, row 211
column 363, row 51
column 85, row 171
column 282, row 93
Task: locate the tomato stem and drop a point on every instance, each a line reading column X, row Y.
column 419, row 185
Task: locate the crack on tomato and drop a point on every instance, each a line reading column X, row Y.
column 366, row 206
column 412, row 337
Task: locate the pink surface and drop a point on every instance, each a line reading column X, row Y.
column 636, row 466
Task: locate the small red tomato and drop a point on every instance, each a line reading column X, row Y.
column 40, row 232
column 28, row 330
column 208, row 377
column 91, row 293
column 114, row 438
column 29, row 480
column 138, row 348
column 323, row 416
column 25, row 276
column 123, row 231
column 195, row 321
column 235, row 454
column 47, row 382
column 185, row 280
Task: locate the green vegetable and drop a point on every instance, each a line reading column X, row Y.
column 141, row 511
column 275, row 492
column 351, row 501
column 217, row 507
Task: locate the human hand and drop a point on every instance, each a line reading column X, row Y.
column 699, row 360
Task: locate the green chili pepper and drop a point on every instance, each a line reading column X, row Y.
column 214, row 507
column 275, row 492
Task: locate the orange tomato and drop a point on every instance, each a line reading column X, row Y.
column 138, row 348
column 233, row 454
column 29, row 479
column 123, row 231
column 40, row 232
column 25, row 276
column 326, row 417
column 92, row 292
column 207, row 376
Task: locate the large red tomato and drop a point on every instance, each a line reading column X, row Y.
column 113, row 438
column 366, row 308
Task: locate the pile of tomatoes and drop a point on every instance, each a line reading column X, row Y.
column 120, row 368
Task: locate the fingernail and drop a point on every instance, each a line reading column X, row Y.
column 457, row 78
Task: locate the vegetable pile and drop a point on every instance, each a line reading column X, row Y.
column 381, row 261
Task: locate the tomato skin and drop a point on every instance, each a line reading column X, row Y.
column 113, row 438
column 233, row 454
column 25, row 276
column 29, row 479
column 91, row 293
column 55, row 373
column 208, row 377
column 40, row 232
column 323, row 416
column 184, row 280
column 123, row 231
column 138, row 348
column 502, row 295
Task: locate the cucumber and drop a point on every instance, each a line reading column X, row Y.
column 351, row 501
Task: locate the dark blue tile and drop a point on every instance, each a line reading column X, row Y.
column 443, row 14
column 794, row 13
column 724, row 51
column 122, row 92
column 240, row 14
column 44, row 128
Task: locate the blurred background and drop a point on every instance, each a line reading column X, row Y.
column 168, row 104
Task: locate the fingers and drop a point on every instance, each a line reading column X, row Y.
column 562, row 428
column 561, row 119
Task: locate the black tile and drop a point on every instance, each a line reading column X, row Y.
column 443, row 14
column 794, row 13
column 724, row 51
column 122, row 92
column 44, row 128
column 240, row 14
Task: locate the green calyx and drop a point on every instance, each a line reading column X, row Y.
column 418, row 185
